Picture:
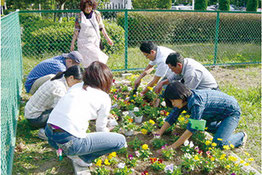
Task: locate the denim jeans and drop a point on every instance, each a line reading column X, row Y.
column 223, row 128
column 89, row 148
column 40, row 121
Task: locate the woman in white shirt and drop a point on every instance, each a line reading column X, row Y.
column 40, row 105
column 69, row 120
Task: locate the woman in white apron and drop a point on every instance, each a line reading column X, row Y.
column 88, row 25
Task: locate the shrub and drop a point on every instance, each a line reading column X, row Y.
column 164, row 4
column 184, row 27
column 152, row 4
column 144, row 4
column 201, row 5
column 42, row 36
column 224, row 5
column 117, row 34
column 252, row 5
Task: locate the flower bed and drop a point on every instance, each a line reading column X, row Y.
column 197, row 156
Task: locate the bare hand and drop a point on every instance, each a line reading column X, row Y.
column 158, row 88
column 137, row 82
column 72, row 48
column 110, row 42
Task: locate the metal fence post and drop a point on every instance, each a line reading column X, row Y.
column 216, row 38
column 126, row 39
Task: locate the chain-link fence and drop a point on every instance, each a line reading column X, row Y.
column 11, row 76
column 214, row 38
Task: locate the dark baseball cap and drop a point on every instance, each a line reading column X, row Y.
column 74, row 55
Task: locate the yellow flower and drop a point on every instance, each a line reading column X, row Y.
column 181, row 119
column 106, row 162
column 226, row 147
column 132, row 101
column 228, row 166
column 113, row 154
column 208, row 142
column 236, row 164
column 232, row 146
column 99, row 162
column 232, row 158
column 196, row 157
column 246, row 164
column 134, row 95
column 247, row 153
column 145, row 147
column 242, row 161
column 149, row 88
column 167, row 113
column 152, row 122
column 212, row 159
column 250, row 159
column 144, row 131
column 211, row 139
column 222, row 156
column 187, row 116
column 184, row 112
column 206, row 128
column 213, row 144
column 219, row 139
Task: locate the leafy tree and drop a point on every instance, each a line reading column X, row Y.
column 164, row 4
column 252, row 5
column 200, row 4
column 224, row 5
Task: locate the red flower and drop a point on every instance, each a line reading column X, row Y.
column 153, row 160
column 145, row 173
column 160, row 161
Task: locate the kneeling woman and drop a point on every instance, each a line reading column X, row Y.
column 69, row 120
column 40, row 105
column 221, row 112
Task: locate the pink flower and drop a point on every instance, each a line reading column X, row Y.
column 130, row 156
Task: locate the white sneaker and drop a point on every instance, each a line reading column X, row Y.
column 244, row 139
column 79, row 161
column 41, row 134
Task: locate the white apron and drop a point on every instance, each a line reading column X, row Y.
column 88, row 41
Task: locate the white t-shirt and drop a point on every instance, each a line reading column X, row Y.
column 73, row 112
column 162, row 69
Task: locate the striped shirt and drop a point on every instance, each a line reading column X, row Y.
column 209, row 105
column 49, row 66
column 45, row 98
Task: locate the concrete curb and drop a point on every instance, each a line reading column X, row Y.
column 81, row 170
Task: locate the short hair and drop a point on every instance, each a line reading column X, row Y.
column 147, row 46
column 175, row 91
column 92, row 3
column 98, row 75
column 174, row 58
column 74, row 71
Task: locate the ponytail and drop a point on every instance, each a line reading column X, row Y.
column 58, row 75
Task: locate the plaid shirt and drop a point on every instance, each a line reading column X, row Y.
column 208, row 105
column 49, row 66
column 45, row 98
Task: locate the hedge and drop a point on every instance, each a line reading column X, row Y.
column 40, row 36
column 188, row 27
